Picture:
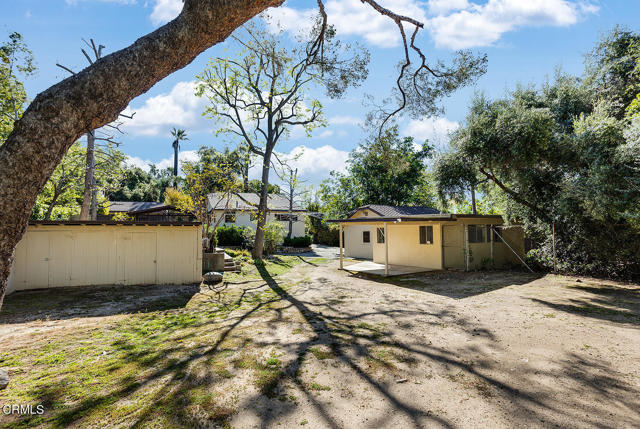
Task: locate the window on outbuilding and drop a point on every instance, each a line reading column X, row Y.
column 426, row 234
column 380, row 233
column 476, row 233
column 366, row 236
column 230, row 218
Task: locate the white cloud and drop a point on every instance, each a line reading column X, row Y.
column 345, row 120
column 439, row 7
column 179, row 108
column 351, row 17
column 472, row 24
column 285, row 18
column 184, row 155
column 436, row 130
column 325, row 134
column 318, row 162
column 165, row 11
column 313, row 165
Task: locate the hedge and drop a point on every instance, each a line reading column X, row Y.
column 303, row 241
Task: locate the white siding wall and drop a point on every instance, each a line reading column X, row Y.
column 244, row 219
column 85, row 255
column 354, row 247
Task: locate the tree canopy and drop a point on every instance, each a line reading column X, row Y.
column 386, row 169
column 16, row 63
column 566, row 153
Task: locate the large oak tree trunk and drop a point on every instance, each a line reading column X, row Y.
column 94, row 97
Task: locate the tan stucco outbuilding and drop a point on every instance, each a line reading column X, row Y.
column 425, row 239
column 85, row 253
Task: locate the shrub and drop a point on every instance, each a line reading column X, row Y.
column 304, row 241
column 273, row 237
column 328, row 235
column 230, row 235
column 249, row 237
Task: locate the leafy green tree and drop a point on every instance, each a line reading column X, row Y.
column 61, row 195
column 387, row 170
column 560, row 156
column 202, row 178
column 613, row 69
column 138, row 185
column 16, row 63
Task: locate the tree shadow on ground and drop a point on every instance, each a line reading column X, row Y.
column 351, row 343
column 596, row 299
column 455, row 284
column 178, row 382
column 92, row 301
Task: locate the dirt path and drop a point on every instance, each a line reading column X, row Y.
column 458, row 350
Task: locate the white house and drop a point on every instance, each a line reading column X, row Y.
column 242, row 208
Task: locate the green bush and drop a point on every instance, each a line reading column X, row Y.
column 249, row 237
column 329, row 235
column 273, row 237
column 230, row 235
column 304, row 241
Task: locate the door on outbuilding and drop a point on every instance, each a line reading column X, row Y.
column 137, row 257
column 453, row 247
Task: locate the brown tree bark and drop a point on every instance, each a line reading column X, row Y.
column 94, row 97
column 263, row 207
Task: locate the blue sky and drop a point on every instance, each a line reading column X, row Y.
column 525, row 41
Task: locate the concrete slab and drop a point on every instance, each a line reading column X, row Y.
column 369, row 267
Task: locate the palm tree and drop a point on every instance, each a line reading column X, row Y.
column 179, row 135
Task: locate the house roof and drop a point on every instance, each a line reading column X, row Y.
column 425, row 218
column 112, row 222
column 249, row 201
column 406, row 214
column 135, row 206
column 398, row 211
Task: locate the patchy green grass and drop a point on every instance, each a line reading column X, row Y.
column 173, row 366
column 321, row 353
column 276, row 265
column 319, row 387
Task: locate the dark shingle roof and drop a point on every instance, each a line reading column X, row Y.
column 249, row 201
column 134, row 206
column 398, row 211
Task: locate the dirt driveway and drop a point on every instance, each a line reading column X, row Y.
column 467, row 350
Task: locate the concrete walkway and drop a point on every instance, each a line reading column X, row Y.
column 322, row 251
column 369, row 267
